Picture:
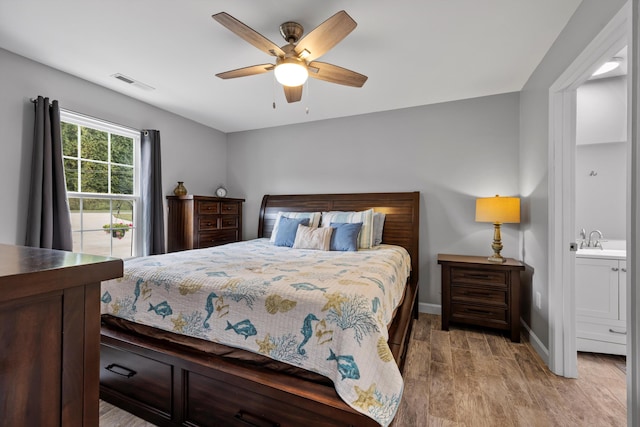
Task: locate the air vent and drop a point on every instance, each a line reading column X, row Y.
column 130, row 81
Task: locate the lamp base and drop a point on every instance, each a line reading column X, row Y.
column 497, row 259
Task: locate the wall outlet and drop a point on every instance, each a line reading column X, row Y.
column 538, row 300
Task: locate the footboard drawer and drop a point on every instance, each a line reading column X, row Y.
column 136, row 377
column 215, row 402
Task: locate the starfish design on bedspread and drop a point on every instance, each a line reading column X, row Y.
column 365, row 397
column 334, row 301
column 266, row 346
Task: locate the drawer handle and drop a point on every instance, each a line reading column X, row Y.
column 477, row 276
column 614, row 268
column 613, row 331
column 475, row 310
column 254, row 420
column 475, row 294
column 121, row 370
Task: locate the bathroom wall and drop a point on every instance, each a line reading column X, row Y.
column 601, row 157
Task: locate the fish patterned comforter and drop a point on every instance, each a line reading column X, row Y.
column 326, row 312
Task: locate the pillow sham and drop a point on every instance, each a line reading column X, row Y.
column 313, row 238
column 287, row 230
column 345, row 236
column 314, row 220
column 378, row 227
column 365, row 239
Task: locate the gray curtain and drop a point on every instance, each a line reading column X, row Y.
column 48, row 218
column 151, row 188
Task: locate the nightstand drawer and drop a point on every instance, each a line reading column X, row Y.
column 208, row 222
column 207, row 207
column 215, row 238
column 473, row 294
column 465, row 312
column 229, row 208
column 477, row 276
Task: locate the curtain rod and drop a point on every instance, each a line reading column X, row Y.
column 34, row 100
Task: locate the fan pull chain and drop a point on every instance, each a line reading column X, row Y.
column 307, row 97
column 273, row 91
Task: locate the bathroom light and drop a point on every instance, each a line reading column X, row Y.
column 608, row 66
column 291, row 72
column 498, row 210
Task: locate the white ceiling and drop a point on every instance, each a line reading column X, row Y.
column 415, row 52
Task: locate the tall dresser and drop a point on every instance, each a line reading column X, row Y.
column 50, row 336
column 197, row 222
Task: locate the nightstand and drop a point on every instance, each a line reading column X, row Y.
column 478, row 292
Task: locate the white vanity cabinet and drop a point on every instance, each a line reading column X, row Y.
column 601, row 305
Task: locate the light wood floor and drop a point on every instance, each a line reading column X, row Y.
column 468, row 377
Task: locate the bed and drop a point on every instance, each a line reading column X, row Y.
column 173, row 379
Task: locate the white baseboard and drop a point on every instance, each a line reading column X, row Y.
column 537, row 345
column 424, row 307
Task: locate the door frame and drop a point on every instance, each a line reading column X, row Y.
column 562, row 124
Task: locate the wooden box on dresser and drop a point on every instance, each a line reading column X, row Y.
column 476, row 291
column 50, row 336
column 197, row 222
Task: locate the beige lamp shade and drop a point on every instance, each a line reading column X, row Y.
column 498, row 210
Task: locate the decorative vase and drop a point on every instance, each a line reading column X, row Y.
column 180, row 189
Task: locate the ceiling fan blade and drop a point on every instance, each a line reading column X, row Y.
column 248, row 34
column 325, row 36
column 293, row 93
column 246, row 71
column 334, row 74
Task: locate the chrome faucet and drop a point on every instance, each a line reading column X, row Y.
column 583, row 237
column 597, row 243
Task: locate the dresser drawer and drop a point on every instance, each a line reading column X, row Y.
column 229, row 221
column 136, row 377
column 207, row 207
column 477, row 276
column 215, row 238
column 229, row 208
column 208, row 222
column 485, row 295
column 490, row 314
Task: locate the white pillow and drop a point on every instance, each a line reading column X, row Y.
column 378, row 227
column 314, row 220
column 365, row 239
column 313, row 238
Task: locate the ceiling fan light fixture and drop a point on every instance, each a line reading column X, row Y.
column 291, row 72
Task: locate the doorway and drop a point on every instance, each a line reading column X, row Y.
column 562, row 227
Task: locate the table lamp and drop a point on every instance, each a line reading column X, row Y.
column 497, row 210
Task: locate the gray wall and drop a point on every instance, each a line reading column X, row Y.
column 588, row 20
column 450, row 152
column 191, row 152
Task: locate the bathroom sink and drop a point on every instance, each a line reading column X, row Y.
column 610, row 249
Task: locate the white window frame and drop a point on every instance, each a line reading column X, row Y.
column 112, row 128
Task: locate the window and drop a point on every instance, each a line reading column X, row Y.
column 101, row 168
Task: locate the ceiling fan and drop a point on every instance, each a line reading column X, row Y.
column 295, row 61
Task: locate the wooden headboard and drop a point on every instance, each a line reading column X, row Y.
column 402, row 215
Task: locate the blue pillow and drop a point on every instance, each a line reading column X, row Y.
column 344, row 236
column 287, row 228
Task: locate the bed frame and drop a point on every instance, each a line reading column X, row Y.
column 173, row 385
